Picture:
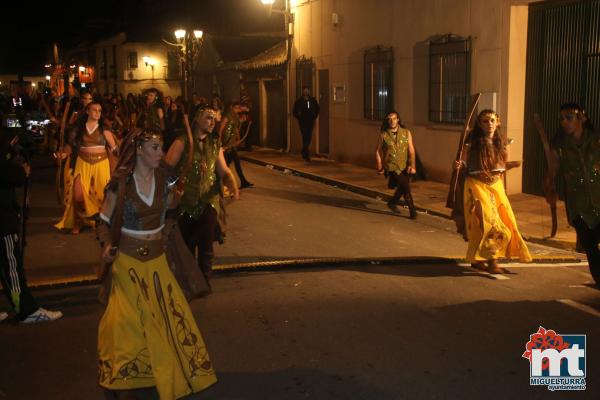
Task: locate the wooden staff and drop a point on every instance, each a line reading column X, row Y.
column 451, row 200
column 61, row 140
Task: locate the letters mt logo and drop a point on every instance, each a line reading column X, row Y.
column 557, row 361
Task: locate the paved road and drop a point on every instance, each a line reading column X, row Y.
column 282, row 217
column 353, row 332
column 376, row 332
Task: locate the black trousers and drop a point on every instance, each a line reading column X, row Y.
column 401, row 182
column 589, row 239
column 12, row 277
column 306, row 129
column 232, row 155
column 199, row 235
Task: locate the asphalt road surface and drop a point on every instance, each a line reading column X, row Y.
column 364, row 331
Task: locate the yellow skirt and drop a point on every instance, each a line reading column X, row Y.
column 147, row 335
column 93, row 178
column 491, row 225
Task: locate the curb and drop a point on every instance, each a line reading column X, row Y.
column 550, row 242
column 302, row 263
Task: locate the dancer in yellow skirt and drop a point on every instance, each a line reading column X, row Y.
column 89, row 148
column 148, row 341
column 490, row 223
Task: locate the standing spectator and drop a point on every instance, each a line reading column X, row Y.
column 395, row 157
column 13, row 173
column 306, row 111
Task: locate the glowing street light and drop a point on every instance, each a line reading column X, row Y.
column 81, row 68
column 47, row 77
column 188, row 44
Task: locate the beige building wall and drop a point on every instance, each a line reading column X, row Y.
column 498, row 29
column 135, row 80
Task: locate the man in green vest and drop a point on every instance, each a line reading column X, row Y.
column 395, row 157
column 201, row 219
column 575, row 156
column 152, row 115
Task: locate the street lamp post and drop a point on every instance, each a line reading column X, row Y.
column 188, row 44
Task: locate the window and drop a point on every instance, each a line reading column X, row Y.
column 304, row 74
column 379, row 76
column 173, row 64
column 449, row 77
column 132, row 60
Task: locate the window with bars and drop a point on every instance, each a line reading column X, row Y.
column 378, row 81
column 449, row 78
column 132, row 60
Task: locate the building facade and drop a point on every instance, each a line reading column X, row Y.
column 421, row 58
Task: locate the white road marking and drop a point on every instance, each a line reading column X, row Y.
column 580, row 306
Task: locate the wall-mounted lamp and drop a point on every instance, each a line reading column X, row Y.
column 151, row 62
column 81, row 68
column 47, row 77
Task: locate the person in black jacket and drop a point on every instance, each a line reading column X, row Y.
column 13, row 173
column 306, row 111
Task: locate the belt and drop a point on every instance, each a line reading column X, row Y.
column 486, row 178
column 142, row 250
column 92, row 158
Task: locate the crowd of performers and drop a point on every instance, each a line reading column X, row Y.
column 154, row 190
column 481, row 209
column 153, row 185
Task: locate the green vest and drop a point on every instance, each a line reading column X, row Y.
column 395, row 150
column 580, row 167
column 152, row 118
column 202, row 185
column 228, row 134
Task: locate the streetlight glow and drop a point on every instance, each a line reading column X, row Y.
column 47, row 77
column 198, row 34
column 81, row 68
column 180, row 33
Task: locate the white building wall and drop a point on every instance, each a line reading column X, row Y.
column 407, row 25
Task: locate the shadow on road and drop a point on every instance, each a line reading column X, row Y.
column 330, row 201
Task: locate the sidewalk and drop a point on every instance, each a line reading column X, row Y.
column 532, row 212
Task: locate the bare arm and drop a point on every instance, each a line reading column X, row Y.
column 112, row 143
column 174, row 153
column 412, row 155
column 161, row 118
column 226, row 175
column 378, row 152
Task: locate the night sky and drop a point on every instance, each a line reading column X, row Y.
column 28, row 32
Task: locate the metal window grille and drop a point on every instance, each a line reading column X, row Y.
column 563, row 65
column 132, row 60
column 449, row 78
column 378, row 82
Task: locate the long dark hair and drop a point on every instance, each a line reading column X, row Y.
column 491, row 153
column 385, row 125
column 81, row 126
